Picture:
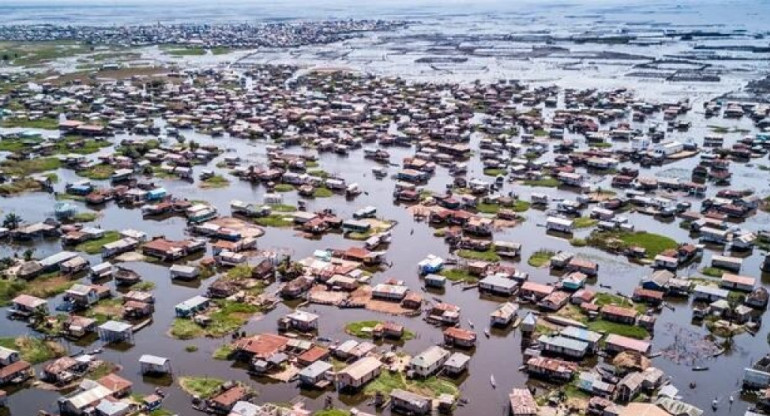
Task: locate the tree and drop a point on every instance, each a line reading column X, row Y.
column 12, row 220
column 28, row 254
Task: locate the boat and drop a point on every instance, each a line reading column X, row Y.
column 486, row 332
column 714, row 404
column 470, row 323
column 379, row 172
column 126, row 277
column 492, row 381
column 700, row 368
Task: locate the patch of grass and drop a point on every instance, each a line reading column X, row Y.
column 654, row 244
column 601, row 145
column 95, row 246
column 630, row 331
column 97, row 173
column 191, row 348
column 9, row 289
column 488, row 255
column 230, row 317
column 87, row 216
column 41, row 123
column 363, row 329
column 216, row 181
column 80, row 146
column 573, row 312
column 712, row 271
column 104, row 368
column 49, row 285
column 458, row 275
column 332, row 412
column 20, row 186
column 161, row 412
column 310, row 164
column 282, row 208
column 223, row 352
column 603, row 298
column 485, row 208
column 360, row 236
column 388, row 381
column 17, row 145
column 202, row 387
column 520, row 206
column 494, row 172
column 284, row 187
column 186, row 52
column 69, row 197
column 185, row 329
column 221, row 50
column 31, row 54
column 34, row 350
column 322, row 192
column 239, row 272
column 578, row 242
column 320, row 173
column 548, row 182
column 540, row 258
column 539, row 133
column 105, row 310
column 144, row 286
column 584, row 222
column 28, row 167
column 274, row 220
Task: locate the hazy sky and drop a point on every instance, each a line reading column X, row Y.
column 305, row 3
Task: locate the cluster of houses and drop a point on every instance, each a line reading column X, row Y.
column 438, row 129
column 271, row 35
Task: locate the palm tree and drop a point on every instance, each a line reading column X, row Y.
column 12, row 220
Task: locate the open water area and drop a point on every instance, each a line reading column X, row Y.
column 487, row 41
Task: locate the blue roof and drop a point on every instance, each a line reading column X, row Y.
column 498, row 281
column 563, row 342
column 581, row 334
column 192, row 303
